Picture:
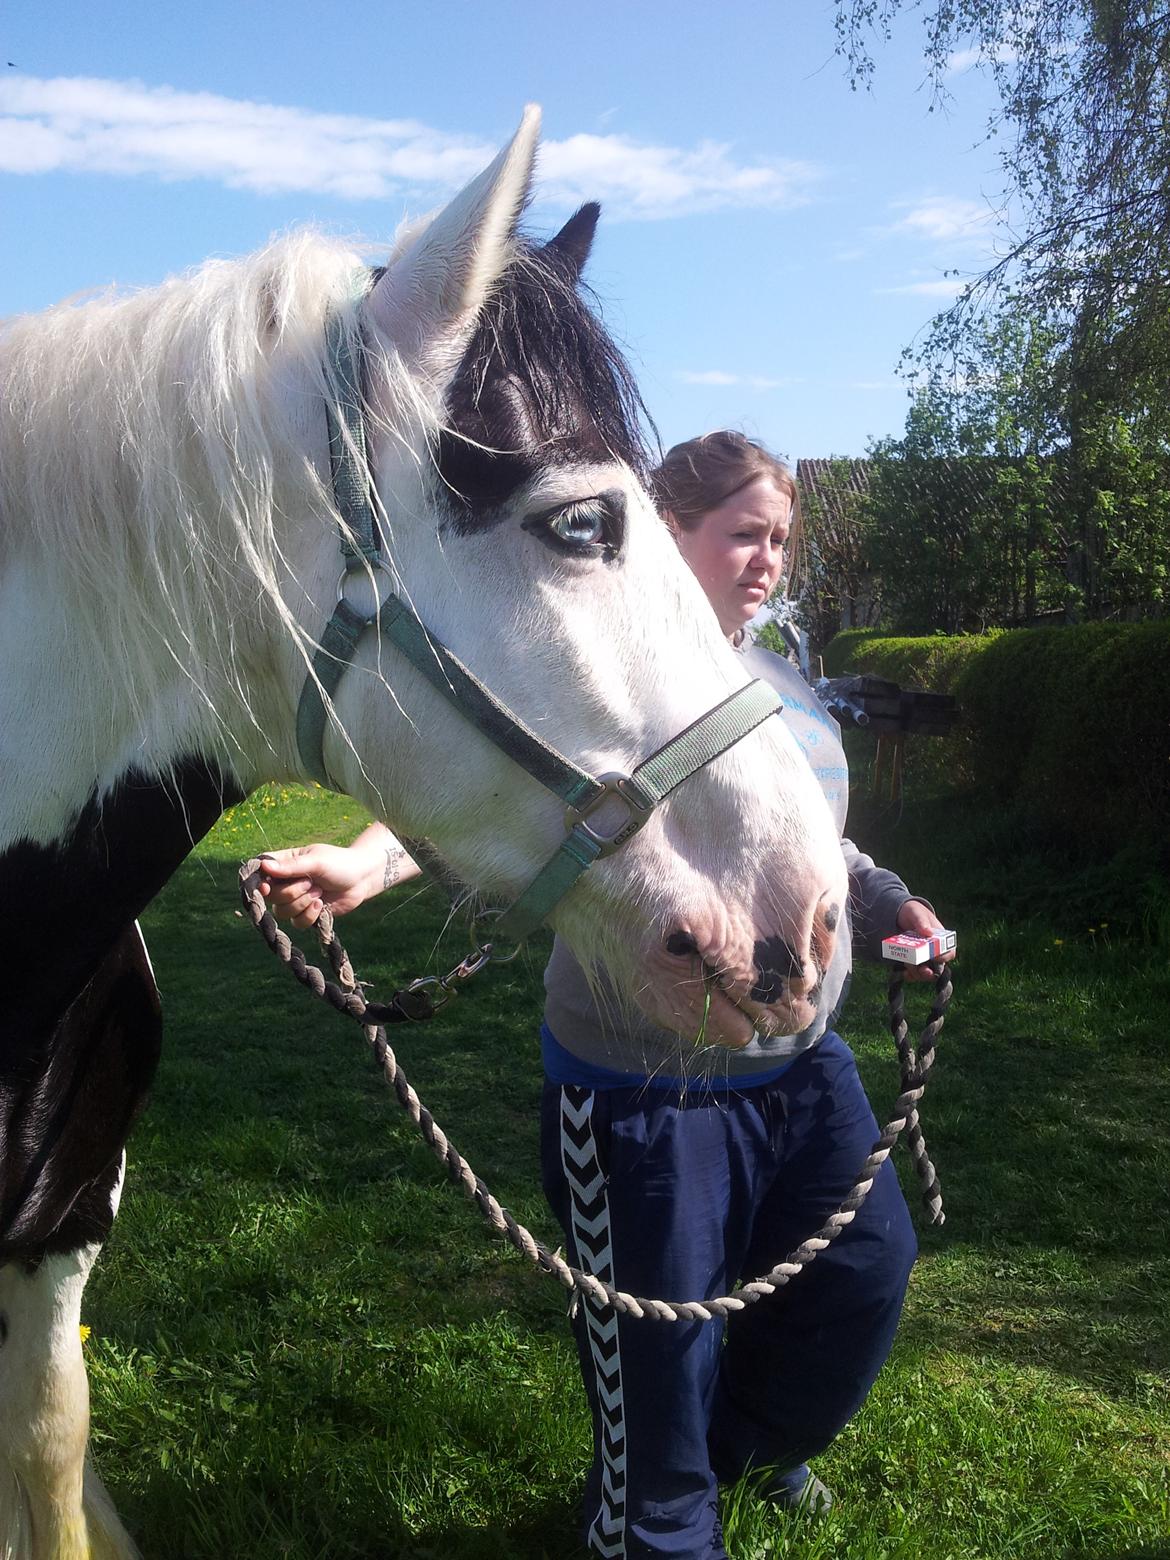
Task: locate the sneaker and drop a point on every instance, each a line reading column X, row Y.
column 799, row 1491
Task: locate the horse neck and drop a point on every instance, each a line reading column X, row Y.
column 142, row 559
column 73, row 723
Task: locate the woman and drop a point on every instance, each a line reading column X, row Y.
column 680, row 1177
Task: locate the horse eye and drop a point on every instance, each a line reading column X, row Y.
column 581, row 525
column 591, row 527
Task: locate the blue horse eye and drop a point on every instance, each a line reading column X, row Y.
column 581, row 525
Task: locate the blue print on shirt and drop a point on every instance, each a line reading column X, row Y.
column 833, row 778
column 790, row 702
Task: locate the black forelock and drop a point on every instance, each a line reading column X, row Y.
column 541, row 382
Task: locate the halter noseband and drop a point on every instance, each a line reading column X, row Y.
column 361, row 548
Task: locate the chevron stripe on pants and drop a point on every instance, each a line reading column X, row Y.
column 678, row 1198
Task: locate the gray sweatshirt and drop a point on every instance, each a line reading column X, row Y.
column 593, row 1031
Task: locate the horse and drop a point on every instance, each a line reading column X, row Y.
column 168, row 556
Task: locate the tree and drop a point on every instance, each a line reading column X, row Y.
column 965, row 517
column 1084, row 126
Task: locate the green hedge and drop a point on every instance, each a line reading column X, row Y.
column 1068, row 723
column 936, row 662
column 1081, row 719
column 836, row 658
column 932, row 766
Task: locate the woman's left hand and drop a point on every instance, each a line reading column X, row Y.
column 919, row 920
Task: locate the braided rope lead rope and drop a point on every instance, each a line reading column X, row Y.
column 345, row 995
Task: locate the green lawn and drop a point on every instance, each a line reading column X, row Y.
column 305, row 1343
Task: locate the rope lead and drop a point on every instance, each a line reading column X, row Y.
column 414, row 1002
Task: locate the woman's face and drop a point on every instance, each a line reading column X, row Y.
column 737, row 551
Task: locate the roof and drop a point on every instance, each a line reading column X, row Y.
column 831, row 484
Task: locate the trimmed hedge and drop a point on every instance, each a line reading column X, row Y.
column 932, row 766
column 1069, row 723
column 836, row 658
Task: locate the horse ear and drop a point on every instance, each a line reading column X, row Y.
column 573, row 243
column 438, row 278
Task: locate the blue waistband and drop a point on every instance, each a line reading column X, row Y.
column 561, row 1066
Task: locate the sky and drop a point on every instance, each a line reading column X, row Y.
column 770, row 242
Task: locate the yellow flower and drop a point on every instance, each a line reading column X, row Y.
column 1058, row 942
column 84, row 1331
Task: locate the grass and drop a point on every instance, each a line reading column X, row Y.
column 305, row 1343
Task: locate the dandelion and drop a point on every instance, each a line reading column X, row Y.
column 1058, row 942
column 84, row 1331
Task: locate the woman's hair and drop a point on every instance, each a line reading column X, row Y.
column 700, row 474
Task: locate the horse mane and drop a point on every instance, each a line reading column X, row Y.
column 153, row 447
column 150, row 446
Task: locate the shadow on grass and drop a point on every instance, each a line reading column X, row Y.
column 1048, row 1116
column 245, row 1044
column 269, row 1516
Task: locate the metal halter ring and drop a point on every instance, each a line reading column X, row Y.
column 487, row 948
column 366, row 570
column 612, row 784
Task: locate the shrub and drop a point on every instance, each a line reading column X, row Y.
column 932, row 766
column 1076, row 720
column 1068, row 724
column 837, row 656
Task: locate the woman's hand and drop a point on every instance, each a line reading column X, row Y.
column 919, row 920
column 301, row 882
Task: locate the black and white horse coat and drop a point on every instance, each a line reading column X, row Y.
column 168, row 555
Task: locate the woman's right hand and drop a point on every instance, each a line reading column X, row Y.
column 299, row 883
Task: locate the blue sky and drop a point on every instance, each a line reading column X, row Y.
column 770, row 242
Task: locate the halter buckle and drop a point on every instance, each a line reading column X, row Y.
column 362, row 571
column 612, row 784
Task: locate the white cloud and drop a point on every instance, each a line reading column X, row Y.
column 964, row 59
column 78, row 124
column 944, row 287
column 707, row 376
column 720, row 377
column 944, row 217
column 1006, row 53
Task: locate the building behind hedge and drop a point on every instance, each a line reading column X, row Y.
column 960, row 544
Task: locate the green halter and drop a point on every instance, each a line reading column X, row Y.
column 652, row 780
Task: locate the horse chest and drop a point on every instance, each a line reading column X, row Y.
column 79, row 1020
column 70, row 901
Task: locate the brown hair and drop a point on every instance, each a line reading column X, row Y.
column 700, row 474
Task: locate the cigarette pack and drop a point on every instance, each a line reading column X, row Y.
column 904, row 949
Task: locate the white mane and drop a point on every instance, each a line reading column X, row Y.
column 152, row 447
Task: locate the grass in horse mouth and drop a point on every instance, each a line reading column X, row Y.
column 718, row 979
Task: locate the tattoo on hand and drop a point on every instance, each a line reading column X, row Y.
column 395, row 856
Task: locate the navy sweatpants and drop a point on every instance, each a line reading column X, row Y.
column 681, row 1199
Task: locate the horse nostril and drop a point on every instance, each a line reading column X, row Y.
column 776, row 962
column 831, row 917
column 680, row 943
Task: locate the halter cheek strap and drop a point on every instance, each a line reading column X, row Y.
column 583, row 794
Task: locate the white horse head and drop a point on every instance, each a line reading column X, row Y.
column 168, row 558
